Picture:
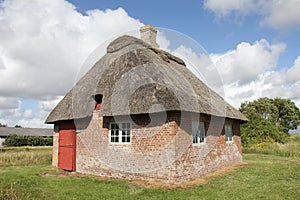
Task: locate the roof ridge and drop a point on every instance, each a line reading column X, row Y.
column 167, row 56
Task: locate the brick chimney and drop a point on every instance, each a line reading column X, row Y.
column 148, row 34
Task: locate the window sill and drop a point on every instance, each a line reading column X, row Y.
column 121, row 144
column 198, row 144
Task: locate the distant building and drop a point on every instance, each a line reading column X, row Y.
column 6, row 131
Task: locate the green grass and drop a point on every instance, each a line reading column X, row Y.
column 25, row 155
column 266, row 177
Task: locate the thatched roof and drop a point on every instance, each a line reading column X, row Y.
column 135, row 78
column 6, row 131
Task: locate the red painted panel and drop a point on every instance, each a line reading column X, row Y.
column 66, row 137
column 98, row 106
column 67, row 146
column 65, row 159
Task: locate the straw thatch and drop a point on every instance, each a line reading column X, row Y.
column 135, row 78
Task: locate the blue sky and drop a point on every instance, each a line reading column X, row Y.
column 254, row 45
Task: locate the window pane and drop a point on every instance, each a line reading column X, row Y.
column 198, row 132
column 116, row 133
column 194, row 128
column 194, row 140
column 201, row 139
column 125, row 139
column 195, row 132
column 114, row 139
column 202, row 130
column 228, row 132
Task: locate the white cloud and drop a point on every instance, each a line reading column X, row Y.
column 286, row 82
column 28, row 114
column 235, row 94
column 201, row 65
column 267, row 84
column 13, row 112
column 247, row 61
column 33, row 123
column 48, row 105
column 249, row 72
column 37, row 119
column 44, row 43
column 278, row 14
column 293, row 72
column 281, row 14
column 8, row 103
column 162, row 40
column 246, row 73
column 223, row 8
column 10, row 110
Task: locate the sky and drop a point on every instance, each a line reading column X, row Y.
column 253, row 45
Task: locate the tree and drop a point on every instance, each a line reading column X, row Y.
column 3, row 125
column 269, row 120
column 282, row 113
column 288, row 114
column 260, row 130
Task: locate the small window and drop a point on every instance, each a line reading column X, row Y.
column 198, row 132
column 98, row 99
column 228, row 133
column 120, row 132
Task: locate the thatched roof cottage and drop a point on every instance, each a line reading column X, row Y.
column 139, row 113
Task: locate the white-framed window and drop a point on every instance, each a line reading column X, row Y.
column 120, row 132
column 198, row 132
column 228, row 132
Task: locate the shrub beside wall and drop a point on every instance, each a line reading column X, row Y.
column 17, row 140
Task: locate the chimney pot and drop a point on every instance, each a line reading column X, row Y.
column 148, row 34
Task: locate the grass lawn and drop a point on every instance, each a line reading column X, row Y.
column 26, row 173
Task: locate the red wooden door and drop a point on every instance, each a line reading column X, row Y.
column 67, row 146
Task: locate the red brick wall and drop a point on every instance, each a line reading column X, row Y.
column 161, row 148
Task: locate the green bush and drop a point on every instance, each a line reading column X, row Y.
column 17, row 140
column 263, row 145
column 289, row 149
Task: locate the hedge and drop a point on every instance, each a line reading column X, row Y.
column 17, row 140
